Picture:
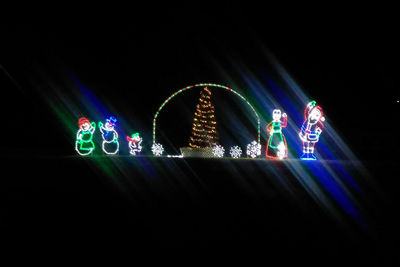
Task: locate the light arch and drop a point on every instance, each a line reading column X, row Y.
column 204, row 85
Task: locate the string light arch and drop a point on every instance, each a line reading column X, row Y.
column 204, row 85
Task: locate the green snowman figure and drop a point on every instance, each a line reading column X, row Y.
column 84, row 137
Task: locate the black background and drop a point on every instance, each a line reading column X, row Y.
column 346, row 57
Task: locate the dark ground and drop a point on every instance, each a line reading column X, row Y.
column 62, row 202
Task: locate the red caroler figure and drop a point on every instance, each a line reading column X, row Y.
column 276, row 145
column 311, row 129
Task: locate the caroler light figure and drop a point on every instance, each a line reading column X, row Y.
column 311, row 129
column 276, row 144
column 134, row 143
column 84, row 137
column 110, row 136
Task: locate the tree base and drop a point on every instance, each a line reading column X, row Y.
column 205, row 152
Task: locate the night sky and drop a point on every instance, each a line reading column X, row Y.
column 346, row 61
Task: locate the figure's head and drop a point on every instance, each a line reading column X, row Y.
column 110, row 123
column 313, row 113
column 84, row 124
column 134, row 138
column 276, row 114
column 314, row 116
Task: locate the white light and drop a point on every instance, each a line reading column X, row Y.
column 105, row 131
column 80, row 141
column 218, row 151
column 157, row 149
column 175, row 156
column 311, row 130
column 253, row 149
column 281, row 150
column 276, row 144
column 235, row 152
column 135, row 146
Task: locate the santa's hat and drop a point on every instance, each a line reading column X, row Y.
column 82, row 121
column 132, row 138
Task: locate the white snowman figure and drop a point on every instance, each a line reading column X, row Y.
column 134, row 143
column 110, row 143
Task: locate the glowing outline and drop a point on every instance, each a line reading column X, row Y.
column 306, row 131
column 79, row 138
column 135, row 147
column 157, row 149
column 253, row 149
column 218, row 151
column 208, row 85
column 281, row 149
column 235, row 152
column 115, row 139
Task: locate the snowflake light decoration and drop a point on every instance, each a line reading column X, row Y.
column 157, row 149
column 235, row 152
column 253, row 149
column 218, row 151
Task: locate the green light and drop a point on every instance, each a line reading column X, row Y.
column 213, row 85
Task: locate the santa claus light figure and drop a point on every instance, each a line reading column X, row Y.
column 311, row 129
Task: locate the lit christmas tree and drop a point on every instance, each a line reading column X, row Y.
column 204, row 131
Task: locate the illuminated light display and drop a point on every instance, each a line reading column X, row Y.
column 218, row 151
column 204, row 131
column 311, row 129
column 282, row 150
column 175, row 156
column 276, row 144
column 253, row 149
column 209, row 85
column 110, row 143
column 84, row 137
column 134, row 143
column 157, row 149
column 236, row 152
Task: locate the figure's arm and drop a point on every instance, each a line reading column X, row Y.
column 284, row 120
column 140, row 144
column 101, row 127
column 314, row 135
column 268, row 127
column 115, row 136
column 302, row 133
column 79, row 135
column 93, row 127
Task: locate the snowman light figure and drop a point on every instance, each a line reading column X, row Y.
column 84, row 137
column 311, row 129
column 134, row 144
column 110, row 136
